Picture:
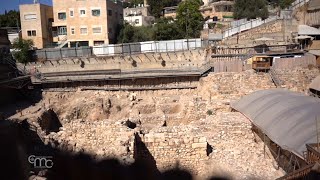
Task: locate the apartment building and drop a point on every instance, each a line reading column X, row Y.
column 139, row 16
column 218, row 9
column 36, row 23
column 213, row 9
column 86, row 22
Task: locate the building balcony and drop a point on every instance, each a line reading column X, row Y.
column 59, row 23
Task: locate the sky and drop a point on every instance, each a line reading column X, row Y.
column 14, row 4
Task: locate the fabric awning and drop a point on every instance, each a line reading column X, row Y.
column 314, row 52
column 264, row 39
column 308, row 30
column 315, row 84
column 304, row 37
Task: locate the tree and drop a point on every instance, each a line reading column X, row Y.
column 126, row 33
column 143, row 33
column 190, row 18
column 10, row 19
column 132, row 3
column 22, row 53
column 156, row 6
column 167, row 29
column 130, row 34
column 285, row 3
column 250, row 9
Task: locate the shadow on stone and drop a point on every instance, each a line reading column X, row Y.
column 143, row 157
column 209, row 149
column 49, row 121
column 18, row 142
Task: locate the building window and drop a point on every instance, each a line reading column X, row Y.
column 95, row 12
column 109, row 12
column 71, row 13
column 32, row 33
column 98, row 43
column 83, row 30
column 62, row 30
column 82, row 12
column 30, row 16
column 62, row 16
column 96, row 30
column 136, row 21
column 72, row 31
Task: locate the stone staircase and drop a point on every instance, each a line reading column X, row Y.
column 63, row 41
column 275, row 78
column 18, row 78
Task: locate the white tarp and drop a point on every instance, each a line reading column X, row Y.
column 308, row 30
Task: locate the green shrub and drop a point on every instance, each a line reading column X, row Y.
column 210, row 112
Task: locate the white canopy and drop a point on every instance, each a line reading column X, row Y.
column 264, row 39
column 304, row 37
column 308, row 30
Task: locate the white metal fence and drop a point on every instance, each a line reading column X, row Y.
column 121, row 49
column 298, row 3
column 149, row 46
column 238, row 22
column 248, row 25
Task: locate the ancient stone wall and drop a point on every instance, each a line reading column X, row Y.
column 100, row 139
column 273, row 30
column 183, row 146
column 219, row 89
column 297, row 79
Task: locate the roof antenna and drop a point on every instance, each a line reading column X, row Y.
column 35, row 1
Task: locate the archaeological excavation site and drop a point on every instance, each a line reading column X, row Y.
column 196, row 114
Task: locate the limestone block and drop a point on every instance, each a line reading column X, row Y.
column 199, row 145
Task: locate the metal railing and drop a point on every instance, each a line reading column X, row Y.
column 242, row 24
column 298, row 3
column 248, row 25
column 121, row 49
column 275, row 78
column 301, row 173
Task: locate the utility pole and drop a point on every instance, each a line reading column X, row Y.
column 318, row 131
column 187, row 34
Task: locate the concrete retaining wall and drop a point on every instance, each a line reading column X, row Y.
column 145, row 61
